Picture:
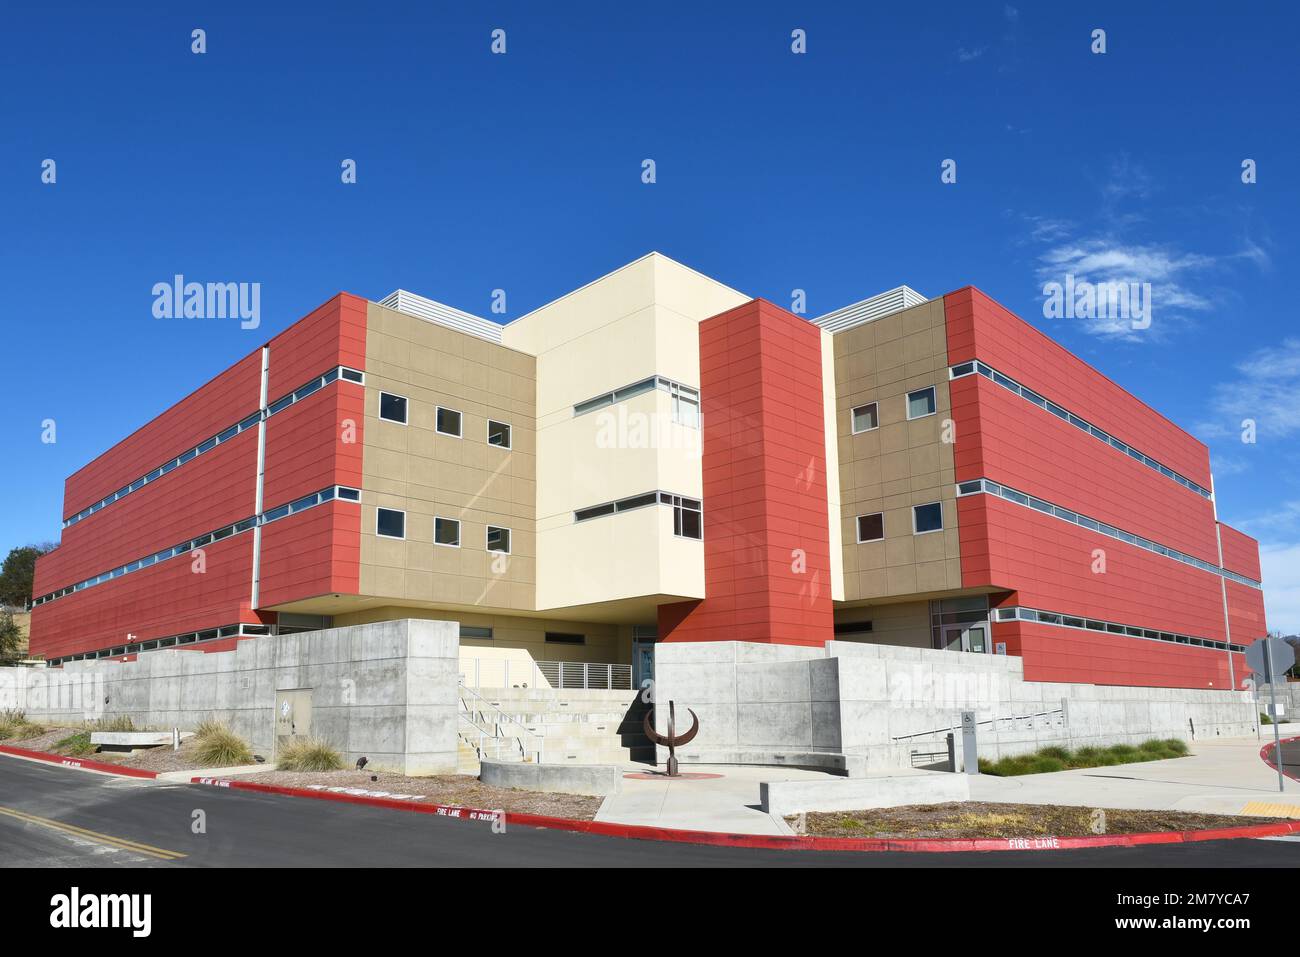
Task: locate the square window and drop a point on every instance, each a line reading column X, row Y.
column 927, row 518
column 865, row 418
column 498, row 539
column 688, row 522
column 448, row 422
column 498, row 434
column 446, row 531
column 920, row 403
column 871, row 528
column 390, row 523
column 392, row 407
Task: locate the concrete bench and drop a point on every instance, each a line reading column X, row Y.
column 134, row 739
column 597, row 780
column 853, row 794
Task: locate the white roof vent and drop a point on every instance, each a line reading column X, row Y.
column 443, row 315
column 869, row 310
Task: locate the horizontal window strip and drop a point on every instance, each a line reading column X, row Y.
column 672, row 387
column 185, row 639
column 1081, row 623
column 989, row 487
column 225, row 435
column 1029, row 395
column 632, row 502
column 340, row 492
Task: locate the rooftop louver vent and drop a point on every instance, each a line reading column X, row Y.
column 868, row 310
column 443, row 315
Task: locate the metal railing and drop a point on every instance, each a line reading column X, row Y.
column 505, row 673
column 492, row 730
column 1008, row 723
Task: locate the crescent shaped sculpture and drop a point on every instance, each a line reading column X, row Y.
column 672, row 740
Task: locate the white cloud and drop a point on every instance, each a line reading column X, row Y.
column 1280, row 563
column 1266, row 390
column 1104, row 260
column 965, row 56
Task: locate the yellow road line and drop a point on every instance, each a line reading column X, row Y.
column 120, row 843
column 1271, row 809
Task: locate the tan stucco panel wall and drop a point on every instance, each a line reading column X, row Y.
column 905, row 623
column 510, row 634
column 900, row 464
column 427, row 474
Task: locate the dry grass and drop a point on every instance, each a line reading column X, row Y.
column 216, row 746
column 973, row 819
column 308, row 754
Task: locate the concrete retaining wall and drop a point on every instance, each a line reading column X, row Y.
column 886, row 702
column 851, row 794
column 594, row 779
column 385, row 690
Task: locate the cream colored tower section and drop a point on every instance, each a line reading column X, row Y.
column 639, row 321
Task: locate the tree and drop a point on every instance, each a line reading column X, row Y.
column 10, row 637
column 17, row 573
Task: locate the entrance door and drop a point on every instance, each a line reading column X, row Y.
column 643, row 663
column 973, row 638
column 292, row 714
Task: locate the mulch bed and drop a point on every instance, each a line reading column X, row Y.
column 456, row 789
column 976, row 819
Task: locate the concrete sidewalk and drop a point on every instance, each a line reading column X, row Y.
column 1221, row 776
column 729, row 802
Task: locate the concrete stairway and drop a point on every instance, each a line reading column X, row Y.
column 568, row 726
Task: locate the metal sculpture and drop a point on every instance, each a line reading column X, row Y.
column 672, row 741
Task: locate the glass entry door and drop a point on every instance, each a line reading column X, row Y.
column 973, row 638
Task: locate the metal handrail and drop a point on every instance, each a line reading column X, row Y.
column 499, row 718
column 559, row 675
column 992, row 721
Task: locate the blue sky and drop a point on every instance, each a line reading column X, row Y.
column 775, row 171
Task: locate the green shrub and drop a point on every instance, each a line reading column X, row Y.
column 1264, row 718
column 219, row 747
column 308, row 754
column 1045, row 765
column 14, row 724
column 76, row 745
column 1057, row 758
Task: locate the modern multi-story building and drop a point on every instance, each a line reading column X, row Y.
column 658, row 457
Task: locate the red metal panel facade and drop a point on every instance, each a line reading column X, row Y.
column 313, row 444
column 210, row 491
column 332, row 335
column 979, row 328
column 1045, row 563
column 766, row 538
column 219, row 404
column 1070, row 655
column 167, row 599
column 1240, row 552
column 317, row 552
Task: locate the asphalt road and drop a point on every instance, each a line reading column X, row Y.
column 1290, row 758
column 58, row 817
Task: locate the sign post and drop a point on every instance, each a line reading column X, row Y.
column 1269, row 658
column 970, row 752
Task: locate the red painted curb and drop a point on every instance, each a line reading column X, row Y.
column 1263, row 754
column 724, row 839
column 78, row 762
